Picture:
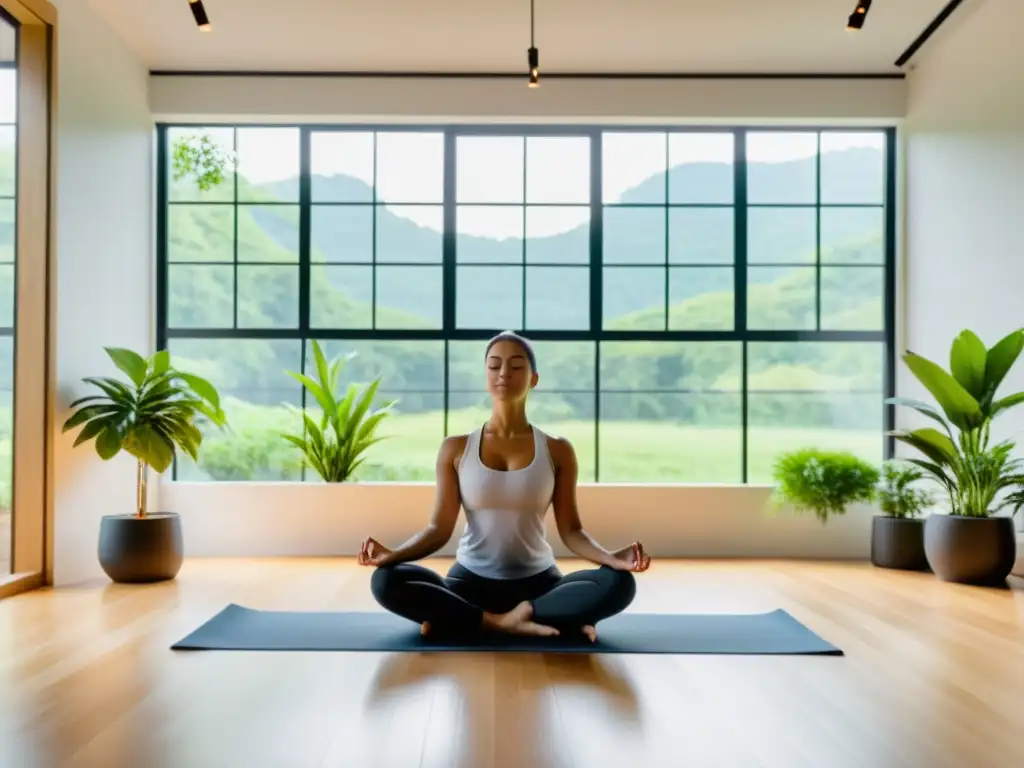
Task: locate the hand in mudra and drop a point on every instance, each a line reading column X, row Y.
column 632, row 558
column 372, row 552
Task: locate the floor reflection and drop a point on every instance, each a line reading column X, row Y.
column 509, row 709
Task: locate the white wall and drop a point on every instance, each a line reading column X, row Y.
column 317, row 99
column 104, row 261
column 965, row 182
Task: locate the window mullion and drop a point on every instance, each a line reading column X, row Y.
column 305, row 260
column 740, row 283
column 596, row 281
column 448, row 255
column 817, row 235
column 740, row 230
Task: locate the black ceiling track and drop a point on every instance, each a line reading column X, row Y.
column 928, row 31
column 547, row 75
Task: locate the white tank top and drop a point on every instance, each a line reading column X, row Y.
column 505, row 536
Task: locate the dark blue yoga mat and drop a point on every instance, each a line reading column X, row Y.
column 237, row 628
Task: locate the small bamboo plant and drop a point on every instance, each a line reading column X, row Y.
column 151, row 416
column 336, row 446
column 896, row 493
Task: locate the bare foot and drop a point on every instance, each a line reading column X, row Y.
column 590, row 632
column 517, row 622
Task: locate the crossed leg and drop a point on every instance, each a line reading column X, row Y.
column 582, row 599
column 418, row 594
column 464, row 603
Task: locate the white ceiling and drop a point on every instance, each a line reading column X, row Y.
column 693, row 36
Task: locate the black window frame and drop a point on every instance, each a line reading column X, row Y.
column 449, row 332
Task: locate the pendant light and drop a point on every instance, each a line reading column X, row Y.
column 533, row 56
column 856, row 20
column 199, row 14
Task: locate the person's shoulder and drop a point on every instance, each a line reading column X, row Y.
column 453, row 446
column 456, row 443
column 560, row 449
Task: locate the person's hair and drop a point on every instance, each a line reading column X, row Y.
column 517, row 339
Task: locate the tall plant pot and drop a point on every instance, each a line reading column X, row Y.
column 141, row 549
column 898, row 543
column 970, row 550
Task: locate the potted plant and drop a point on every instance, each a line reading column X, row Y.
column 825, row 483
column 335, row 446
column 897, row 535
column 149, row 417
column 973, row 543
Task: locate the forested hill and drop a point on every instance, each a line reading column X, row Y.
column 410, row 297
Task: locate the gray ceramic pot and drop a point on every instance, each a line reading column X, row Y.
column 970, row 550
column 898, row 543
column 133, row 549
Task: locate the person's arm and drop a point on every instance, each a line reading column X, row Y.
column 567, row 516
column 447, row 503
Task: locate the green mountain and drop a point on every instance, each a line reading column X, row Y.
column 409, row 297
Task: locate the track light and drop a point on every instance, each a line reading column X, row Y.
column 856, row 20
column 199, row 13
column 533, row 57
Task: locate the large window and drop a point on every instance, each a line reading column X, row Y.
column 26, row 385
column 701, row 299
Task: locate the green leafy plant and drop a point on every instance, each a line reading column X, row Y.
column 335, row 446
column 1015, row 499
column 823, row 482
column 150, row 417
column 960, row 456
column 896, row 494
column 201, row 158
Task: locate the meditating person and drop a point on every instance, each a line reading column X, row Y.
column 505, row 474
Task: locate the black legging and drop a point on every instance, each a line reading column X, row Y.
column 457, row 601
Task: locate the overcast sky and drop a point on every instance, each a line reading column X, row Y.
column 490, row 169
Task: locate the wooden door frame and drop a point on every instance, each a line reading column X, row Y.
column 35, row 298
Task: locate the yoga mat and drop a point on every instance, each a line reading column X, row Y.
column 244, row 629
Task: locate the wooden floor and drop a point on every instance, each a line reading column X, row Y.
column 933, row 676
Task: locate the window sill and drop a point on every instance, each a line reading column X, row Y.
column 20, row 582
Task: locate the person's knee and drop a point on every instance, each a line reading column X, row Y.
column 383, row 582
column 621, row 587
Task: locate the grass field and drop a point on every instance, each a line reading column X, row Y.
column 636, row 452
column 630, row 451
